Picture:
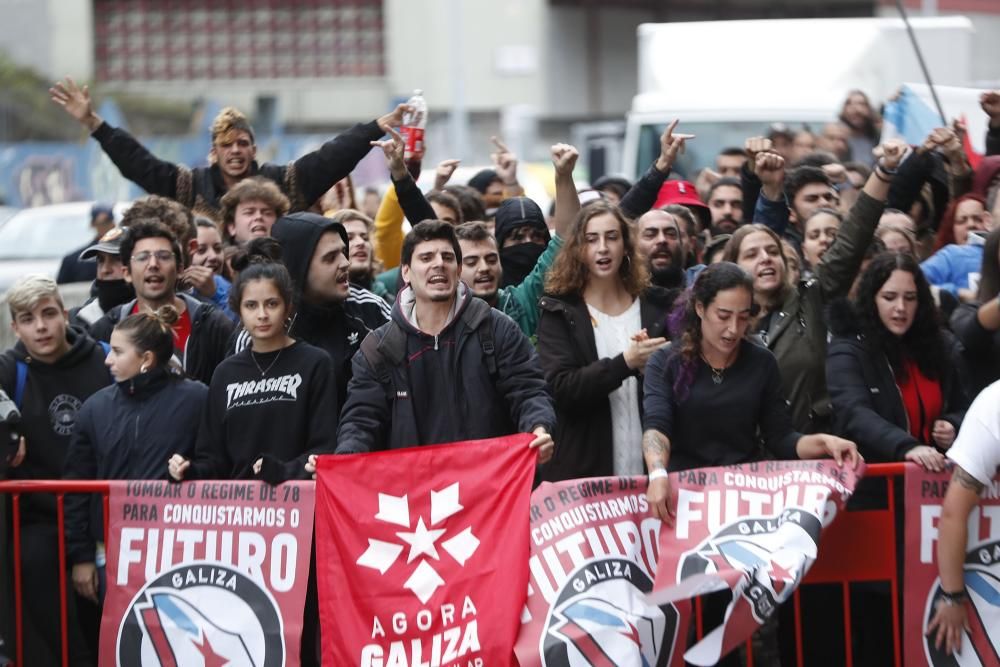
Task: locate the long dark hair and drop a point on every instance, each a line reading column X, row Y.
column 989, row 274
column 923, row 342
column 569, row 273
column 685, row 324
column 260, row 260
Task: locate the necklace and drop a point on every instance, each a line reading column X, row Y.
column 718, row 374
column 264, row 371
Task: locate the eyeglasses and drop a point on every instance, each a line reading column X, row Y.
column 161, row 256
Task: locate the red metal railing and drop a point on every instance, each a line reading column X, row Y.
column 840, row 560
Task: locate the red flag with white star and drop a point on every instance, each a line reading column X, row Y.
column 422, row 553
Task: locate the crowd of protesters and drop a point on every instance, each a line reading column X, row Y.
column 827, row 293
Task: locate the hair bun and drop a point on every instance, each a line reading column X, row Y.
column 261, row 250
column 167, row 315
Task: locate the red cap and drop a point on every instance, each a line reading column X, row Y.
column 678, row 192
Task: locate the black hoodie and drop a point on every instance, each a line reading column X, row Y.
column 53, row 395
column 518, row 260
column 336, row 328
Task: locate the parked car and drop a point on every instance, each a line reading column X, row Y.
column 34, row 240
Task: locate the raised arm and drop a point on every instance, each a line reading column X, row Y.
column 505, row 165
column 564, row 159
column 316, row 172
column 411, row 199
column 841, row 263
column 133, row 160
column 642, row 195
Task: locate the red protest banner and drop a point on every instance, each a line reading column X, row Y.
column 981, row 646
column 422, row 554
column 206, row 573
column 754, row 529
column 594, row 549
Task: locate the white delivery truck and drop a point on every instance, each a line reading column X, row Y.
column 728, row 80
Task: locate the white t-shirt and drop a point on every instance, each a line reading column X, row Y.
column 977, row 447
column 613, row 335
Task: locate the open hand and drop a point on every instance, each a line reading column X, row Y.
column 928, row 457
column 76, row 102
column 949, row 621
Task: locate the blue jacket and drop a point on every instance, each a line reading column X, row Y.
column 950, row 267
column 127, row 430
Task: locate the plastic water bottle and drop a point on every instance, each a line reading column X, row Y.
column 414, row 124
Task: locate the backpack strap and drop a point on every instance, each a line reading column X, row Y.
column 475, row 316
column 384, row 354
column 20, row 383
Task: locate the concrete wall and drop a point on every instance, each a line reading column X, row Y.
column 54, row 37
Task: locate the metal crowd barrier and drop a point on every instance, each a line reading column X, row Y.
column 840, row 560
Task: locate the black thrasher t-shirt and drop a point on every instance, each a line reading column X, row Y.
column 280, row 405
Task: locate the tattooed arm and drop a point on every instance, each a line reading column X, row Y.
column 656, row 451
column 950, row 615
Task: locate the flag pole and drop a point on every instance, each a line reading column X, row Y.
column 920, row 59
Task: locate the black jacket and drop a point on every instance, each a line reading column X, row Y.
column 442, row 390
column 981, row 347
column 127, row 431
column 336, row 328
column 868, row 406
column 53, row 396
column 207, row 345
column 581, row 382
column 72, row 269
column 303, row 180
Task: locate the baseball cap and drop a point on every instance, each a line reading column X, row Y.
column 110, row 243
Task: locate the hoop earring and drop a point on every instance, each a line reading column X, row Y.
column 143, row 369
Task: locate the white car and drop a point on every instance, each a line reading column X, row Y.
column 34, row 240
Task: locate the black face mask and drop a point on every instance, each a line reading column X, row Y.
column 518, row 261
column 111, row 293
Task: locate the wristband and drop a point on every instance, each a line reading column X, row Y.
column 956, row 598
column 885, row 170
column 659, row 473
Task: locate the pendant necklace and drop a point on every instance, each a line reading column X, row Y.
column 718, row 374
column 264, row 371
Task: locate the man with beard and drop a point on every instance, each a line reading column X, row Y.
column 661, row 242
column 151, row 259
column 110, row 287
column 233, row 156
column 725, row 202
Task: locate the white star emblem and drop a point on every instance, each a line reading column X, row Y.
column 424, row 579
column 421, row 541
